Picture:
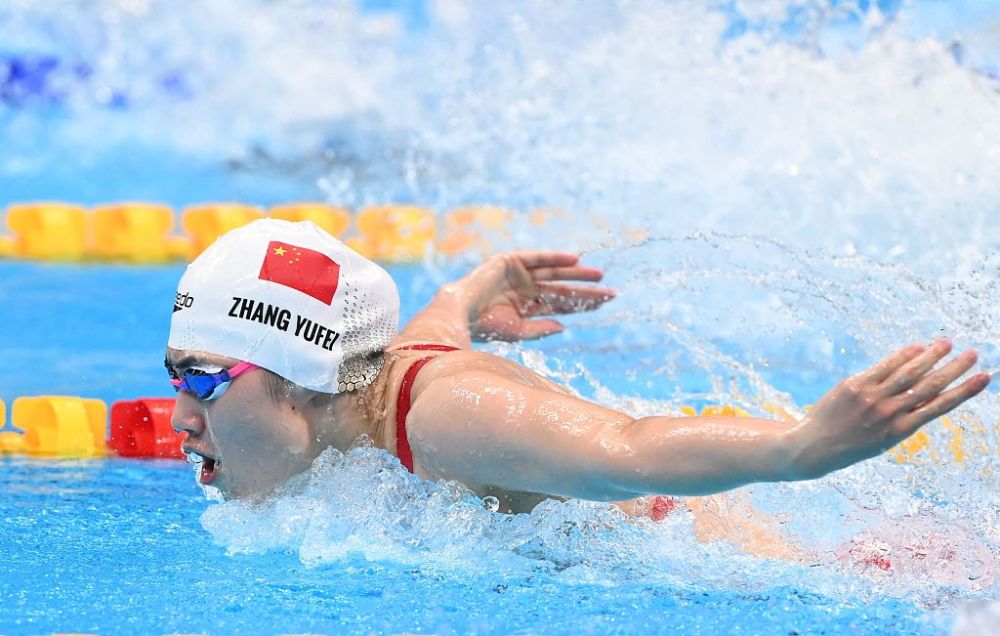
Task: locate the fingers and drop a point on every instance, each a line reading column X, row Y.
column 535, row 329
column 945, row 402
column 549, row 266
column 533, row 260
column 934, row 383
column 567, row 299
column 911, row 372
column 575, row 272
column 883, row 369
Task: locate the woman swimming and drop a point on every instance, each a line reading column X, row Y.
column 287, row 344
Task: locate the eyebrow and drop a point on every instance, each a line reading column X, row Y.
column 186, row 361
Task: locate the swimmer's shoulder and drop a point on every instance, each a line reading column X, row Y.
column 470, row 365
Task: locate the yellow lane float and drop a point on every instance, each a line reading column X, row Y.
column 207, row 222
column 550, row 216
column 140, row 232
column 331, row 218
column 470, row 228
column 968, row 432
column 134, row 232
column 10, row 442
column 394, row 233
column 48, row 231
column 61, row 426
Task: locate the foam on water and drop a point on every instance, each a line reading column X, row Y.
column 977, row 618
column 365, row 503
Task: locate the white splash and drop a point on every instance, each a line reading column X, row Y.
column 977, row 618
column 365, row 503
column 646, row 114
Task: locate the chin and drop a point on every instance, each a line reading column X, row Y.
column 214, row 493
column 249, row 495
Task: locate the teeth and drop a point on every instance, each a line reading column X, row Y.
column 194, row 458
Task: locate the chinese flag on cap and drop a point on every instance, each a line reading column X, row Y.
column 301, row 268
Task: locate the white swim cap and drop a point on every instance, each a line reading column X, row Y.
column 292, row 299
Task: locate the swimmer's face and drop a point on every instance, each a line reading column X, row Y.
column 250, row 443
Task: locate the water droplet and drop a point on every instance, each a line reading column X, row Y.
column 491, row 503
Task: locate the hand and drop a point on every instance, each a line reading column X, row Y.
column 870, row 412
column 506, row 292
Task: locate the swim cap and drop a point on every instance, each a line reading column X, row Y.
column 292, row 299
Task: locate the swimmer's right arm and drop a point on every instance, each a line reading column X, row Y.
column 487, row 430
column 505, row 297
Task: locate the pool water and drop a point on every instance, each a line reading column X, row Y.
column 81, row 556
column 781, row 192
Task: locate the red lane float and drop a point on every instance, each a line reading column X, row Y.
column 141, row 428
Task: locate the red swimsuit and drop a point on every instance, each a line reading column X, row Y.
column 403, row 402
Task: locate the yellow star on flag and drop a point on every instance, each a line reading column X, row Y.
column 279, row 251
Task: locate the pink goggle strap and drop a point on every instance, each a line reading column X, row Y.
column 234, row 372
column 237, row 370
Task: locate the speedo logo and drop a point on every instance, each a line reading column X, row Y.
column 183, row 301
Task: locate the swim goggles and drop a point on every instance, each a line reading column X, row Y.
column 208, row 386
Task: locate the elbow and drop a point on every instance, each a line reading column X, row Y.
column 606, row 466
column 623, row 466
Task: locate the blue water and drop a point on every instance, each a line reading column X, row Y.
column 80, row 556
column 781, row 192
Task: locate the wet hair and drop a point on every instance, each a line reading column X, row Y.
column 277, row 387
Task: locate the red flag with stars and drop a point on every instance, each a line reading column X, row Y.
column 301, row 268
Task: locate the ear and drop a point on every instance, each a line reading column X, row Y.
column 330, row 420
column 302, row 398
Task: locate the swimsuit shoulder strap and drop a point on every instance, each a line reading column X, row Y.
column 403, row 402
column 425, row 347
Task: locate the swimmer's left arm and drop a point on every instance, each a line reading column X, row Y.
column 487, row 430
column 503, row 298
column 490, row 429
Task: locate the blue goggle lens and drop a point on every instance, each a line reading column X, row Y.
column 205, row 386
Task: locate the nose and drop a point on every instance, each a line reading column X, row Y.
column 188, row 416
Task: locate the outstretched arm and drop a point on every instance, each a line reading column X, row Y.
column 487, row 429
column 502, row 299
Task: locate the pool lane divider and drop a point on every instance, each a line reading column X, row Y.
column 61, row 426
column 142, row 428
column 143, row 233
column 57, row 426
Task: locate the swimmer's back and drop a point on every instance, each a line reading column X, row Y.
column 444, row 367
column 472, row 413
column 466, row 361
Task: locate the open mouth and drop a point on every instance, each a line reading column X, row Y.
column 207, row 466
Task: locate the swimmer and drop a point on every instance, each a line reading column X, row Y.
column 286, row 344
